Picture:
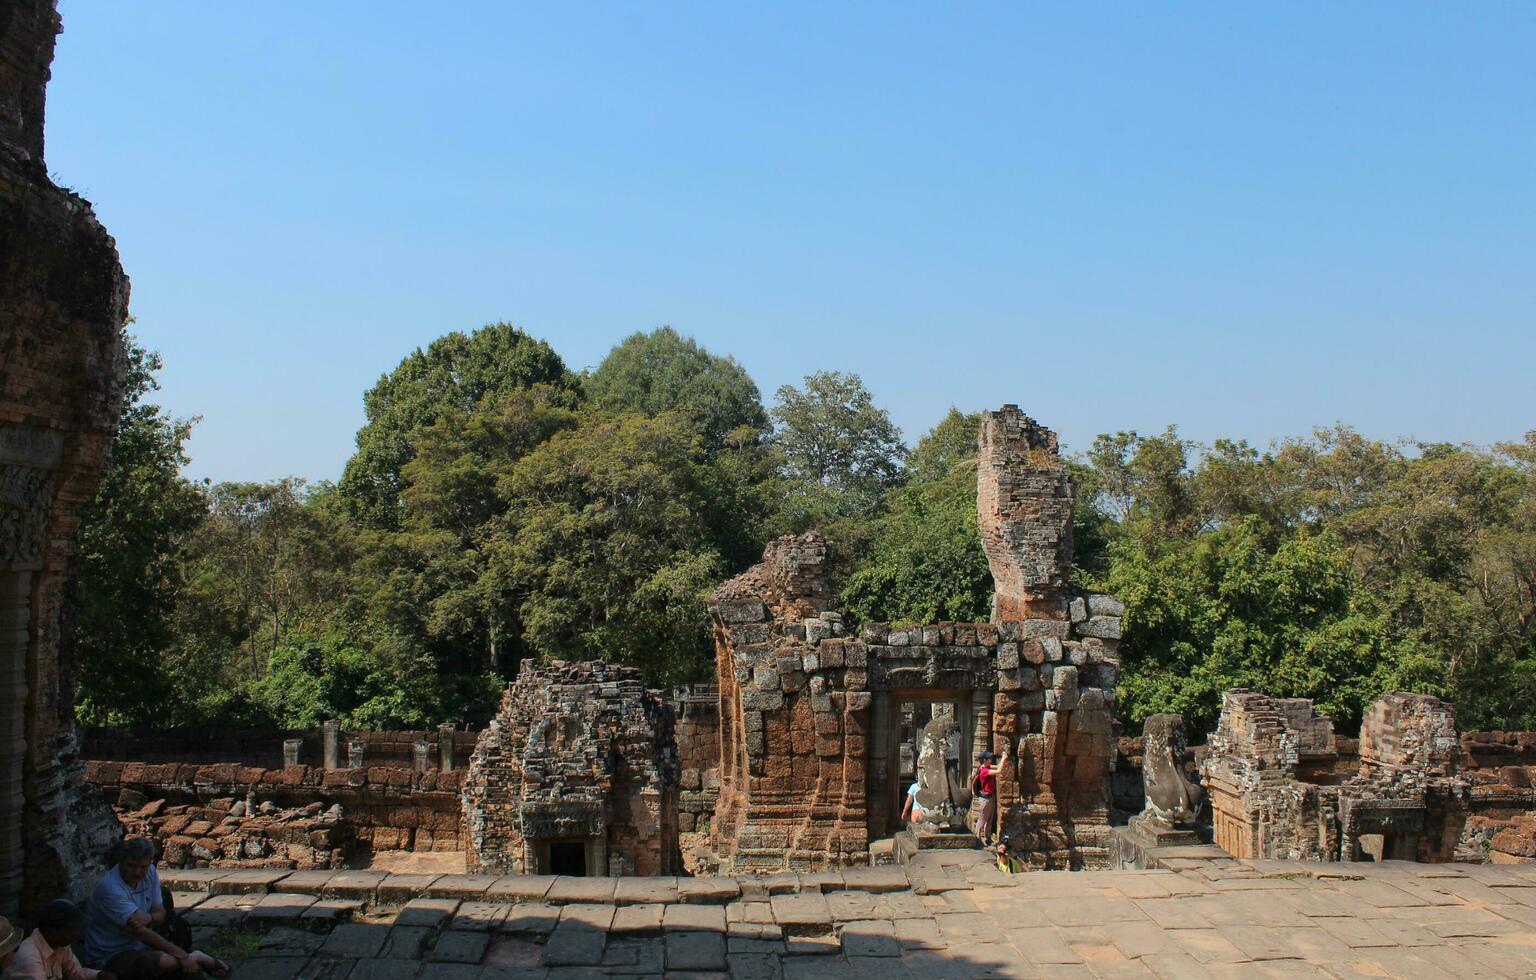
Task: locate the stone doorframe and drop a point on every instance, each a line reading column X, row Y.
column 973, row 711
column 536, row 854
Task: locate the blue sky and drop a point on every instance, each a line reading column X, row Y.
column 1245, row 219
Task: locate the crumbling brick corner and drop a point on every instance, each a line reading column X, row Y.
column 793, row 718
column 63, row 303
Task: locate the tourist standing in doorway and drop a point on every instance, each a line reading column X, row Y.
column 984, row 786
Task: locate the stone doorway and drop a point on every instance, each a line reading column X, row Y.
column 568, row 857
column 899, row 720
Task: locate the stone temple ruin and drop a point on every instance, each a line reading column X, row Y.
column 805, row 760
column 812, row 767
column 800, row 756
column 577, row 775
column 1277, row 790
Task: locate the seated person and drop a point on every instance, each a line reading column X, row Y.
column 46, row 954
column 1007, row 861
column 10, row 938
column 126, row 907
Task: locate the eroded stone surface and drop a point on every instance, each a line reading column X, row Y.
column 1219, row 916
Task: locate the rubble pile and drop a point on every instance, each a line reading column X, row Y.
column 231, row 833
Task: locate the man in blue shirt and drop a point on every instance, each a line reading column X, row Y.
column 125, row 908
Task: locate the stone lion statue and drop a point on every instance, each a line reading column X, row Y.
column 1173, row 800
column 944, row 795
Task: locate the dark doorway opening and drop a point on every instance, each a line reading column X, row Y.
column 568, row 857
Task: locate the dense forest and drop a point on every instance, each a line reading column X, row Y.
column 500, row 507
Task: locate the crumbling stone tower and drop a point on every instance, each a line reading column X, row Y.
column 63, row 301
column 1024, row 510
column 576, row 774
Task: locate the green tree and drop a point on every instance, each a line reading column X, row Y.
column 130, row 538
column 661, row 371
column 608, row 544
column 1223, row 609
column 836, row 443
column 925, row 560
column 455, row 372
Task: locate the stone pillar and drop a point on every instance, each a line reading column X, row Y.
column 355, row 748
column 15, row 587
column 445, row 746
column 331, row 744
column 291, row 747
column 981, row 719
column 422, row 750
column 882, row 770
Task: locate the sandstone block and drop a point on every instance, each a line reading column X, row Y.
column 741, row 612
column 1007, row 656
column 1105, row 605
column 1103, row 627
column 1040, row 628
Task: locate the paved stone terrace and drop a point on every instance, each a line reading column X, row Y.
column 945, row 915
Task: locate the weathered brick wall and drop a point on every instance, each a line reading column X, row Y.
column 1282, row 786
column 797, row 727
column 63, row 301
column 388, row 808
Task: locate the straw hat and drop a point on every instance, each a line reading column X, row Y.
column 10, row 936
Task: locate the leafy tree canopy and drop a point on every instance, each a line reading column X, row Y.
column 662, row 371
column 455, row 373
column 129, row 577
column 925, row 560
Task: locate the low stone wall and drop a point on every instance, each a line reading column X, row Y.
column 261, row 748
column 388, row 808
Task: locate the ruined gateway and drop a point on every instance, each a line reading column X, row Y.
column 805, row 770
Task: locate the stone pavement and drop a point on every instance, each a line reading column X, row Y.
column 1204, row 915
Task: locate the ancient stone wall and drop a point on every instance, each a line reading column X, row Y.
column 1024, row 508
column 263, row 748
column 386, row 808
column 63, row 302
column 1273, row 774
column 578, row 753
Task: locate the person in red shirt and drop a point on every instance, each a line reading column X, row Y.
column 984, row 785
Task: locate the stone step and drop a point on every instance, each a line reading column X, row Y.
column 377, row 888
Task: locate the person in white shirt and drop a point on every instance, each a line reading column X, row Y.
column 46, row 954
column 913, row 811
